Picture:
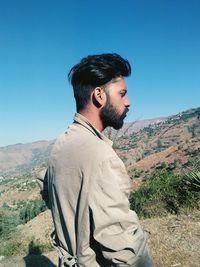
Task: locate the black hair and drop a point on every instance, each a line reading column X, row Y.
column 94, row 71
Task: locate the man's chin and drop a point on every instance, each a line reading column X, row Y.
column 118, row 125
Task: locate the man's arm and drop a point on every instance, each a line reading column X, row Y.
column 115, row 227
column 42, row 179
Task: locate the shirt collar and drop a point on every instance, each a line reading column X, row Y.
column 78, row 118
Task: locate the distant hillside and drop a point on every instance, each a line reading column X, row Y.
column 18, row 158
column 134, row 127
column 22, row 157
column 134, row 142
column 173, row 143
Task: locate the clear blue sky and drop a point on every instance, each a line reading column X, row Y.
column 42, row 39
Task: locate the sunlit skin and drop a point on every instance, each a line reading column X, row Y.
column 116, row 92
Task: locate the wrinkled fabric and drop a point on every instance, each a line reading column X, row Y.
column 88, row 190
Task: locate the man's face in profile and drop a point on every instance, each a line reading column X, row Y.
column 117, row 104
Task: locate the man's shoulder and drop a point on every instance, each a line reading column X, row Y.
column 80, row 142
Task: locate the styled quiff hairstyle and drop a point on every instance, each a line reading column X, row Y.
column 94, row 71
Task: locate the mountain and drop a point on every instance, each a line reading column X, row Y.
column 23, row 157
column 133, row 127
column 135, row 142
column 173, row 143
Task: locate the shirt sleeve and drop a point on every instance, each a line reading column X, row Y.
column 43, row 184
column 115, row 227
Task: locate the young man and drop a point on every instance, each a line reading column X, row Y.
column 88, row 186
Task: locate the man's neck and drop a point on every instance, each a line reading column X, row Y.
column 93, row 118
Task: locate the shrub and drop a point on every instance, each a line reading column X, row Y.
column 165, row 192
column 8, row 223
column 31, row 209
column 11, row 240
column 12, row 246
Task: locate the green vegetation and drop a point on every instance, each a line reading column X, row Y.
column 8, row 224
column 17, row 244
column 10, row 217
column 124, row 158
column 149, row 130
column 166, row 192
column 191, row 129
column 159, row 145
column 31, row 209
column 15, row 212
column 12, row 245
column 190, row 114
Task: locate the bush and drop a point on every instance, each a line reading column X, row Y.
column 165, row 192
column 11, row 240
column 8, row 223
column 31, row 209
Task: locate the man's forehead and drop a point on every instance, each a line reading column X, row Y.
column 121, row 82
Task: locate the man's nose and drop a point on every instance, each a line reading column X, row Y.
column 127, row 102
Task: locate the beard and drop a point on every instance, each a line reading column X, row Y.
column 110, row 117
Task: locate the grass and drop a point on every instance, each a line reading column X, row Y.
column 174, row 240
column 18, row 244
column 167, row 193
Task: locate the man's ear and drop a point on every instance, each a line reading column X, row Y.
column 99, row 96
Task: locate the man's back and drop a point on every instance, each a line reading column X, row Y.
column 88, row 190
